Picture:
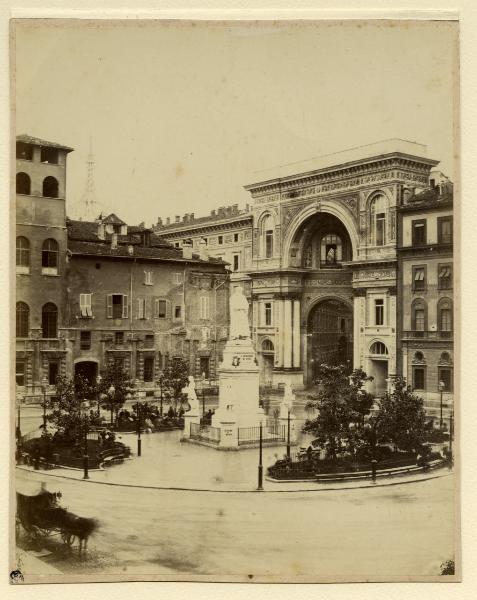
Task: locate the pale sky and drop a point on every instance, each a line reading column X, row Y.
column 181, row 116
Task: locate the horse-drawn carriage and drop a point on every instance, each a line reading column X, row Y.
column 40, row 514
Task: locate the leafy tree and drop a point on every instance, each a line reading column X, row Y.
column 68, row 414
column 115, row 376
column 174, row 378
column 448, row 567
column 401, row 418
column 342, row 406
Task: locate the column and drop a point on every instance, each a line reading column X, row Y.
column 279, row 338
column 357, row 304
column 287, row 334
column 296, row 334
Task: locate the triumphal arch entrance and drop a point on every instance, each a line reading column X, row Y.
column 323, row 276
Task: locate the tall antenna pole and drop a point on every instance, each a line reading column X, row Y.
column 89, row 207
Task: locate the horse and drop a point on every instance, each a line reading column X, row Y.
column 72, row 526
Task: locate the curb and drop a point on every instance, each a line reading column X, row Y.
column 368, row 485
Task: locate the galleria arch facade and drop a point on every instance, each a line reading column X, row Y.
column 323, row 273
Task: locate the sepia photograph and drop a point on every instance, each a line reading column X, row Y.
column 235, row 353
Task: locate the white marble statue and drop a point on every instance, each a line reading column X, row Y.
column 239, row 325
column 191, row 395
column 288, row 400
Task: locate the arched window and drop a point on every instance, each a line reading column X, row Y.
column 419, row 316
column 49, row 257
column 22, row 320
column 379, row 348
column 267, row 346
column 23, row 255
column 444, row 311
column 23, row 184
column 445, row 358
column 49, row 320
column 331, row 251
column 50, row 187
column 267, row 236
column 377, row 210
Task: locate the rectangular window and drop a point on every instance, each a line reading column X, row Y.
column 220, row 240
column 268, row 313
column 85, row 340
column 379, row 311
column 149, row 340
column 85, row 305
column 177, row 311
column 24, row 151
column 236, row 262
column 419, row 378
column 147, row 277
column 119, row 338
column 445, row 277
column 269, row 243
column 20, row 371
column 49, row 155
column 177, row 244
column 149, row 369
column 446, row 319
column 419, row 319
column 419, row 278
column 117, row 306
column 53, row 372
column 445, row 375
column 419, row 232
column 236, row 237
column 141, row 308
column 380, row 229
column 444, row 230
column 161, row 309
column 204, row 367
column 177, row 278
column 204, row 307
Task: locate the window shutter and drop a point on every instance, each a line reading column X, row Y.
column 83, row 305
column 146, row 315
column 87, row 305
column 109, row 306
column 125, row 306
column 168, row 309
column 156, row 308
column 139, row 303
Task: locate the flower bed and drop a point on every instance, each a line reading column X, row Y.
column 71, row 455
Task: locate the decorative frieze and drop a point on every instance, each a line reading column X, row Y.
column 376, row 274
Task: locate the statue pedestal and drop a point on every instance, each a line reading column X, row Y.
column 190, row 417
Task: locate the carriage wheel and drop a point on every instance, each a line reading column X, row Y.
column 68, row 538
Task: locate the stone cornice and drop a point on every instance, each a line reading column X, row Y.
column 339, row 172
column 204, row 227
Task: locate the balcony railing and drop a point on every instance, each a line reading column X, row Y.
column 429, row 335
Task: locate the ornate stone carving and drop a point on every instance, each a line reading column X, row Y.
column 376, row 274
column 320, row 282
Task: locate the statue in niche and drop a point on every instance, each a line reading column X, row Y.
column 308, row 257
column 239, row 325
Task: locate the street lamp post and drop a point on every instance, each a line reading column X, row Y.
column 203, row 397
column 442, row 386
column 139, row 442
column 162, row 397
column 451, row 433
column 85, row 405
column 260, row 466
column 288, row 434
column 44, row 389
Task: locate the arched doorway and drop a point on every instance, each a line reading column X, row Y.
column 267, row 362
column 329, row 336
column 87, row 369
column 378, row 368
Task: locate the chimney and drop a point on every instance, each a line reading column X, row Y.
column 186, row 218
column 187, row 250
column 178, row 219
column 168, row 220
column 212, row 213
column 146, row 238
column 247, row 207
column 203, row 254
column 114, row 241
column 159, row 222
column 192, row 216
column 235, row 209
column 101, row 231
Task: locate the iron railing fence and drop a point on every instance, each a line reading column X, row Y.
column 270, row 433
column 205, row 433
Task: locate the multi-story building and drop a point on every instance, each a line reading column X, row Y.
column 323, row 270
column 91, row 293
column 425, row 293
column 41, row 243
column 135, row 299
column 226, row 234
